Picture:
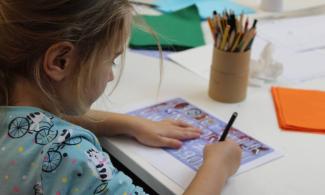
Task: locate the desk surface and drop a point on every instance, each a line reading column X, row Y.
column 300, row 171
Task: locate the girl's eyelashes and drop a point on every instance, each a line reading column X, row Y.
column 110, row 62
column 116, row 61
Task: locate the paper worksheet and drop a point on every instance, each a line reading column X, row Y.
column 181, row 164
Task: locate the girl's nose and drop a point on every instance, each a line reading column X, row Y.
column 110, row 76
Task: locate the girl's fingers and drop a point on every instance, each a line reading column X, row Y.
column 170, row 142
column 180, row 123
column 181, row 134
column 193, row 129
column 185, row 125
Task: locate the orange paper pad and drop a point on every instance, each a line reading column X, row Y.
column 300, row 110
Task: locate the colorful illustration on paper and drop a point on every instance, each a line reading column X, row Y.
column 191, row 153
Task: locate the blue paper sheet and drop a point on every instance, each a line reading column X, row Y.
column 205, row 7
column 173, row 5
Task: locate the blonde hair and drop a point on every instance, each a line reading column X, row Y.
column 29, row 28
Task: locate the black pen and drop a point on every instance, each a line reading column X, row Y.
column 228, row 126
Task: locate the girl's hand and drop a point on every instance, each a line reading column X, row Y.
column 226, row 154
column 166, row 133
column 221, row 160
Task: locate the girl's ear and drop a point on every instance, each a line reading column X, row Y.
column 59, row 60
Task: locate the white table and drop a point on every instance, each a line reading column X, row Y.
column 301, row 171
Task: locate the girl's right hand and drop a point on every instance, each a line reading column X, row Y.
column 221, row 160
column 226, row 154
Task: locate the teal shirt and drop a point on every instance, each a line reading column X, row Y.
column 43, row 154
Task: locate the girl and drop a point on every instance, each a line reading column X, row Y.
column 56, row 58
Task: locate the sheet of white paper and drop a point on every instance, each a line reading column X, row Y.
column 303, row 66
column 168, row 165
column 296, row 34
column 183, row 175
column 296, row 66
column 198, row 60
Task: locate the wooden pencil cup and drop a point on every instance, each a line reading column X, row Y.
column 229, row 76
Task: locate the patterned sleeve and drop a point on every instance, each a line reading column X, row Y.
column 76, row 166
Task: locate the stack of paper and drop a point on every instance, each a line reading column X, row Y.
column 176, row 31
column 300, row 110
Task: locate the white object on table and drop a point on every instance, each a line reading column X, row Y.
column 266, row 67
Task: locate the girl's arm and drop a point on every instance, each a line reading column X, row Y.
column 168, row 133
column 104, row 123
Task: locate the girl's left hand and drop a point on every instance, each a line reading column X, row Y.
column 166, row 133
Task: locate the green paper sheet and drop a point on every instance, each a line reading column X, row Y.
column 176, row 31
